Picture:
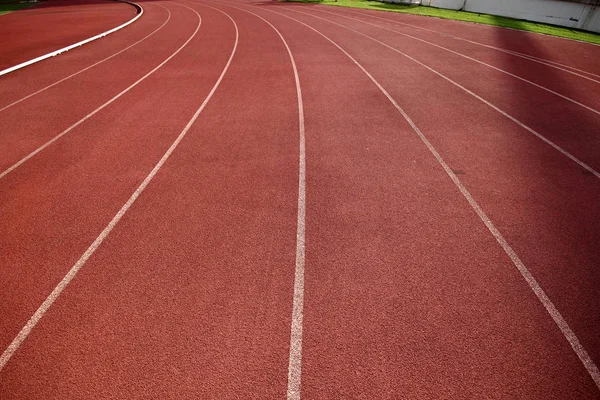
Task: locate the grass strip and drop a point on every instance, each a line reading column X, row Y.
column 6, row 7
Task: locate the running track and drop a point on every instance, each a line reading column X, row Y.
column 38, row 30
column 260, row 200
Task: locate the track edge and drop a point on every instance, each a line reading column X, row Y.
column 140, row 12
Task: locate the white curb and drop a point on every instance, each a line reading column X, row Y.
column 54, row 53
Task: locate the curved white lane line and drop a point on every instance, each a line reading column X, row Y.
column 33, row 321
column 57, row 52
column 569, row 335
column 553, row 64
column 295, row 357
column 516, row 121
column 469, row 58
column 82, row 120
column 93, row 65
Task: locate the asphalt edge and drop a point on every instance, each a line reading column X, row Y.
column 140, row 12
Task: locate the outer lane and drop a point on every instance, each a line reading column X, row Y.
column 570, row 126
column 543, row 202
column 355, row 316
column 572, row 53
column 560, row 81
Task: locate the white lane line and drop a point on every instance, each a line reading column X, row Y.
column 586, row 360
column 82, row 120
column 57, row 52
column 549, row 63
column 516, row 121
column 18, row 340
column 295, row 357
column 93, row 65
column 555, row 63
column 472, row 59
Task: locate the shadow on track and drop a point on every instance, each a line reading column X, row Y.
column 560, row 228
column 550, row 215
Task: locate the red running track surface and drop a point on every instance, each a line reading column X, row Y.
column 407, row 294
column 54, row 24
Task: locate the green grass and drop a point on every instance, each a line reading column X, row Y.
column 464, row 16
column 6, row 7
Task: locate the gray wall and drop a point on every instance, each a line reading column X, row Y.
column 565, row 13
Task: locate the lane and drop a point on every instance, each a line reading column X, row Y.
column 24, row 82
column 567, row 125
column 568, row 85
column 406, row 290
column 32, row 32
column 580, row 55
column 59, row 81
column 63, row 108
column 60, row 200
column 198, row 274
column 544, row 61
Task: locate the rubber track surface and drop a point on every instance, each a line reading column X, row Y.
column 55, row 24
column 406, row 292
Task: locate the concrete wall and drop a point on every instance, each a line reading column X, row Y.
column 449, row 4
column 556, row 12
column 592, row 21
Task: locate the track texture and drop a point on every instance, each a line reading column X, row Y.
column 55, row 24
column 166, row 157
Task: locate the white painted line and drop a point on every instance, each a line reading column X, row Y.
column 295, row 357
column 18, row 340
column 586, row 360
column 93, row 65
column 57, row 52
column 555, row 63
column 472, row 59
column 549, row 63
column 82, row 120
column 516, row 121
